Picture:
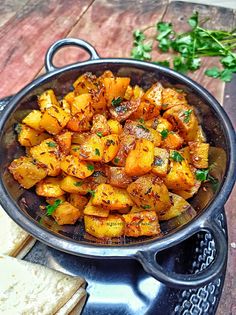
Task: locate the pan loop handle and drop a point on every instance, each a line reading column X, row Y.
column 188, row 281
column 67, row 42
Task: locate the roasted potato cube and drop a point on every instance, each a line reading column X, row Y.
column 161, row 161
column 65, row 106
column 47, row 152
column 69, row 97
column 185, row 152
column 54, row 119
column 138, row 92
column 188, row 193
column 85, row 83
column 91, row 150
column 112, row 226
column 180, row 175
column 184, row 120
column 115, row 126
column 172, row 141
column 135, row 209
column 124, row 109
column 200, row 137
column 27, row 171
column 78, row 201
column 145, row 110
column 64, row 141
column 79, row 137
column 154, row 96
column 199, row 154
column 111, row 147
column 111, row 198
column 29, row 137
column 97, row 211
column 33, row 120
column 46, row 100
column 171, row 97
column 115, row 87
column 178, row 206
column 65, row 213
column 143, row 223
column 117, row 177
column 100, row 125
column 51, row 200
column 72, row 166
column 150, row 193
column 49, row 187
column 128, row 93
column 74, row 185
column 159, row 124
column 127, row 143
column 79, row 125
column 139, row 161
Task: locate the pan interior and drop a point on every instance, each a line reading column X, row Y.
column 61, row 83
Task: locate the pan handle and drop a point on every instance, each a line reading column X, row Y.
column 203, row 277
column 67, row 42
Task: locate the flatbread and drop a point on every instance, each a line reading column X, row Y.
column 27, row 288
column 14, row 241
column 75, row 304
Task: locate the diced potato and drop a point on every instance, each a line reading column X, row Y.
column 80, row 137
column 124, row 110
column 65, row 106
column 161, row 161
column 171, row 97
column 85, row 83
column 79, row 125
column 99, row 102
column 51, row 200
column 74, row 185
column 188, row 193
column 92, row 149
column 150, row 193
column 172, row 141
column 33, row 120
column 111, row 147
column 185, row 152
column 143, row 223
column 100, row 125
column 139, row 161
column 127, row 143
column 199, row 154
column 154, row 96
column 184, row 120
column 159, row 124
column 200, row 137
column 54, row 119
column 111, row 198
column 128, row 93
column 145, row 110
column 179, row 176
column 78, row 201
column 97, row 211
column 65, row 213
column 178, row 206
column 138, row 92
column 117, row 177
column 29, row 137
column 64, row 141
column 27, row 171
column 115, row 87
column 49, row 187
column 112, row 226
column 106, row 74
column 135, row 209
column 69, row 97
column 47, row 152
column 46, row 100
column 74, row 150
column 72, row 166
column 115, row 126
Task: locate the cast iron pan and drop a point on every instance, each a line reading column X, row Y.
column 23, row 206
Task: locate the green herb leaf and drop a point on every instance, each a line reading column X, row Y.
column 51, row 144
column 116, row 101
column 78, row 184
column 146, row 207
column 229, row 61
column 176, row 156
column 75, row 149
column 138, row 36
column 51, row 208
column 91, row 192
column 180, row 64
column 226, row 75
column 214, row 182
column 193, row 20
column 187, row 115
column 141, row 120
column 143, row 127
column 99, row 134
column 164, row 63
column 97, row 152
column 116, row 160
column 164, row 133
column 90, row 167
column 213, row 72
column 201, row 174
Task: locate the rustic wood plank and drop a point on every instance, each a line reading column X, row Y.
column 8, row 9
column 25, row 39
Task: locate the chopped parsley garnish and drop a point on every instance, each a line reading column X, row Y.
column 146, row 207
column 187, row 115
column 99, row 134
column 176, row 156
column 141, row 120
column 201, row 174
column 116, row 160
column 91, row 192
column 97, row 152
column 51, row 144
column 76, row 149
column 116, row 101
column 164, row 133
column 143, row 127
column 78, row 184
column 51, row 208
column 90, row 167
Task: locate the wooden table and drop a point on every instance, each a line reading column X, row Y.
column 29, row 27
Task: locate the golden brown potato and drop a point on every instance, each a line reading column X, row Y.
column 65, row 213
column 49, row 187
column 112, row 226
column 69, row 97
column 78, row 201
column 161, row 161
column 54, row 119
column 199, row 154
column 64, row 141
column 117, row 177
column 51, row 200
column 33, row 120
column 74, row 185
column 127, row 143
column 172, row 141
column 178, row 206
column 139, row 161
column 79, row 137
column 47, row 152
column 46, row 100
column 128, row 93
column 72, row 166
column 150, row 193
column 29, row 137
column 144, row 223
column 124, row 109
column 114, row 88
column 188, row 193
column 27, row 171
column 65, row 106
column 97, row 211
column 111, row 198
column 185, row 152
column 115, row 126
column 85, row 83
column 91, row 150
column 111, row 147
column 200, row 137
column 172, row 97
column 100, row 125
column 154, row 96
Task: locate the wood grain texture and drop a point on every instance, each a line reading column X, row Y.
column 8, row 9
column 26, row 37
